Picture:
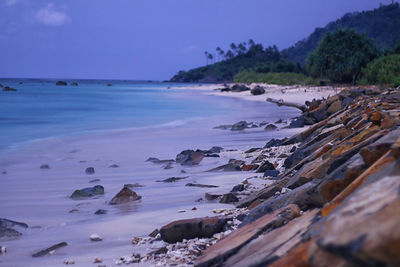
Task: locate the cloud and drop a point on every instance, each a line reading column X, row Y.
column 10, row 2
column 189, row 49
column 50, row 16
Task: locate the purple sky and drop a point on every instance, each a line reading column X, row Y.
column 147, row 39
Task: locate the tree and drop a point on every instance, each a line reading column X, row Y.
column 341, row 55
column 229, row 54
column 241, row 48
column 210, row 57
column 251, row 43
column 207, row 57
column 233, row 47
column 220, row 52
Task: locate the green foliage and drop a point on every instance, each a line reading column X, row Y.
column 283, row 78
column 382, row 25
column 341, row 55
column 253, row 58
column 384, row 70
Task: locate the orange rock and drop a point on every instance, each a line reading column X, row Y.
column 254, row 204
column 298, row 257
column 249, row 167
column 376, row 118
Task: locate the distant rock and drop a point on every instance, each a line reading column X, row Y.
column 238, row 188
column 100, row 212
column 95, row 238
column 211, row 197
column 109, row 84
column 88, row 192
column 61, row 83
column 239, row 88
column 172, row 179
column 160, row 161
column 189, row 158
column 89, row 170
column 94, row 181
column 113, row 166
column 270, row 127
column 266, row 166
column 7, row 230
column 274, row 143
column 258, row 90
column 271, row 173
column 124, row 196
column 200, row 185
column 135, row 185
column 44, row 167
column 192, row 228
column 9, row 89
column 239, row 126
column 74, row 84
column 229, row 198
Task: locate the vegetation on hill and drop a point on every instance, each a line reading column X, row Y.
column 340, row 58
column 341, row 55
column 382, row 25
column 238, row 58
column 384, row 70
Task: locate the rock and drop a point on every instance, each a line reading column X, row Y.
column 192, row 228
column 159, row 161
column 270, row 127
column 189, row 158
column 200, row 185
column 251, row 150
column 297, row 123
column 109, row 84
column 44, row 167
column 9, row 89
column 88, row 192
column 172, row 179
column 271, row 173
column 61, row 83
column 74, row 84
column 266, row 166
column 154, row 233
column 238, row 188
column 231, row 244
column 94, row 181
column 89, row 170
column 95, row 238
column 229, row 198
column 273, row 143
column 239, row 126
column 69, row 262
column 216, row 149
column 124, row 196
column 223, row 127
column 258, row 90
column 6, row 229
column 3, row 249
column 319, row 114
column 162, row 250
column 305, row 196
column 239, row 88
column 249, row 167
column 100, row 212
column 49, row 250
column 233, row 165
column 113, row 166
column 334, row 107
column 293, row 149
column 135, row 185
column 226, row 89
column 211, row 197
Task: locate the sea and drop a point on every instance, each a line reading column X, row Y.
column 113, row 126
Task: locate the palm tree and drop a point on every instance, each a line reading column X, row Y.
column 220, row 52
column 233, row 47
column 207, row 55
column 210, row 57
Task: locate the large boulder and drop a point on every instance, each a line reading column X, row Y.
column 189, row 157
column 192, row 228
column 258, row 90
column 7, row 230
column 88, row 192
column 239, row 88
column 124, row 196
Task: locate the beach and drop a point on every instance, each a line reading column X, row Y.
column 40, row 197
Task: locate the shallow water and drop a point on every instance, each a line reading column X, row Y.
column 40, row 198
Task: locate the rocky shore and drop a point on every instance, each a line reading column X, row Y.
column 332, row 202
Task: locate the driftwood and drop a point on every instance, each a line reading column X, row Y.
column 50, row 249
column 280, row 102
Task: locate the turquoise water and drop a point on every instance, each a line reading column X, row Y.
column 40, row 109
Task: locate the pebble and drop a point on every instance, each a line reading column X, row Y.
column 3, row 249
column 97, row 260
column 68, row 262
column 95, row 237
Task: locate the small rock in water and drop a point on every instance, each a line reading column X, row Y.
column 44, row 167
column 194, row 208
column 200, row 185
column 94, row 181
column 181, row 211
column 183, row 171
column 3, row 249
column 97, row 260
column 95, row 237
column 125, row 195
column 229, row 198
column 88, row 192
column 113, row 166
column 168, row 166
column 133, row 185
column 100, row 212
column 4, row 172
column 89, row 170
column 270, row 127
column 68, row 262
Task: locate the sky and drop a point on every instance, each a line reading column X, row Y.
column 147, row 39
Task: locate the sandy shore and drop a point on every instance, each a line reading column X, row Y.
column 295, row 94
